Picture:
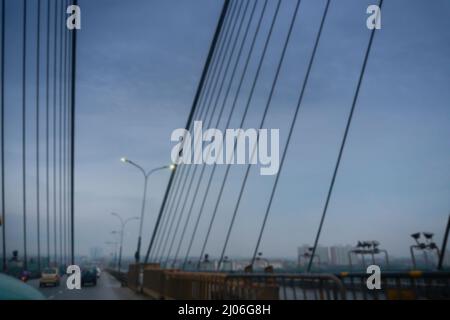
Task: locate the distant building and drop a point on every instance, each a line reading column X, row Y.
column 339, row 255
column 322, row 252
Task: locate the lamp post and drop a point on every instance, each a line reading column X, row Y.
column 364, row 248
column 423, row 246
column 114, row 243
column 123, row 224
column 146, row 176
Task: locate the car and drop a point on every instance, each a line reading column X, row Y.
column 89, row 276
column 13, row 289
column 98, row 272
column 49, row 276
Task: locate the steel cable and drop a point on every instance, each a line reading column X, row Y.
column 180, row 187
column 344, row 140
column 233, row 74
column 216, row 82
column 252, row 90
column 189, row 120
column 244, row 72
column 291, row 129
column 217, row 123
column 269, row 101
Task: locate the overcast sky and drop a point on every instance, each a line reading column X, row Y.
column 139, row 63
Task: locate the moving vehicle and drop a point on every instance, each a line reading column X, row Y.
column 50, row 276
column 13, row 289
column 89, row 276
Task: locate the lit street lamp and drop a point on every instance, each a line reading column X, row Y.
column 146, row 175
column 123, row 224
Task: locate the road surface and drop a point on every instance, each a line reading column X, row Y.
column 107, row 288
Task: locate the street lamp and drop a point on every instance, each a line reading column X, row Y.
column 423, row 246
column 114, row 243
column 123, row 223
column 364, row 248
column 146, row 175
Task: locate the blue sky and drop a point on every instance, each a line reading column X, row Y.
column 139, row 63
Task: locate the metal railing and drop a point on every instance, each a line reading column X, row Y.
column 181, row 285
column 284, row 287
column 413, row 285
column 176, row 284
column 120, row 276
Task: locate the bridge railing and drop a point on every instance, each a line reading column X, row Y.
column 411, row 285
column 175, row 284
column 120, row 276
column 284, row 287
column 181, row 285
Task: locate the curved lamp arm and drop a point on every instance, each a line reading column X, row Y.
column 125, row 160
column 129, row 219
column 118, row 217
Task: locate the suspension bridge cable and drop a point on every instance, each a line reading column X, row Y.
column 209, row 103
column 47, row 132
column 269, row 102
column 202, row 106
column 38, row 213
column 2, row 142
column 67, row 144
column 68, row 148
column 69, row 59
column 190, row 118
column 180, row 173
column 72, row 141
column 252, row 90
column 61, row 38
column 63, row 170
column 178, row 181
column 344, row 140
column 227, row 92
column 164, row 220
column 208, row 125
column 244, row 71
column 54, row 133
column 24, row 115
column 291, row 129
